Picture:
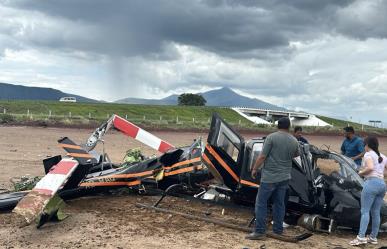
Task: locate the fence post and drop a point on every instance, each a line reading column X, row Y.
column 161, row 118
column 89, row 115
column 49, row 113
column 177, row 119
column 28, row 112
column 5, row 111
column 70, row 114
column 126, row 116
column 144, row 117
column 193, row 120
column 240, row 122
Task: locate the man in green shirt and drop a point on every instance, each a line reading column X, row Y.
column 277, row 155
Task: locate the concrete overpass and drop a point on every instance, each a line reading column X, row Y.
column 268, row 117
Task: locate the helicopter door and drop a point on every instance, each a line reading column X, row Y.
column 223, row 152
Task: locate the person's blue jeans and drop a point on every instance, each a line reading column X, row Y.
column 372, row 196
column 277, row 191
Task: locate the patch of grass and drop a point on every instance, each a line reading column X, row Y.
column 343, row 123
column 6, row 118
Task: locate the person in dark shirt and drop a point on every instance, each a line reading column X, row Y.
column 352, row 146
column 276, row 156
column 298, row 135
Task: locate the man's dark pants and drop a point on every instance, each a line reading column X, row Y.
column 277, row 191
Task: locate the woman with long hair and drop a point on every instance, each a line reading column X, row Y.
column 374, row 189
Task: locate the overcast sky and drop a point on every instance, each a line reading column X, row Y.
column 327, row 57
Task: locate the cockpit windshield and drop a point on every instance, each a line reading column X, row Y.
column 338, row 165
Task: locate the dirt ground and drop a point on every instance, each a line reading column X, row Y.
column 114, row 221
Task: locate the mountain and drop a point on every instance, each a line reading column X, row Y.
column 18, row 92
column 227, row 97
column 219, row 97
column 171, row 100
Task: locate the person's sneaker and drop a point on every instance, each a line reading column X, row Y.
column 372, row 240
column 256, row 236
column 284, row 224
column 358, row 241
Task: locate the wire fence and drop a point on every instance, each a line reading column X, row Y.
column 89, row 117
column 151, row 119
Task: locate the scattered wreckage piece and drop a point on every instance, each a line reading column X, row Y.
column 53, row 211
column 59, row 174
column 33, row 204
column 129, row 129
column 317, row 223
column 8, row 201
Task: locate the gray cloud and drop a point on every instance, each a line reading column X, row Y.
column 363, row 20
column 132, row 28
column 323, row 56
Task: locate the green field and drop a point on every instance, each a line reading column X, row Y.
column 53, row 113
column 163, row 116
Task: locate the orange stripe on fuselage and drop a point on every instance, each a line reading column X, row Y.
column 145, row 173
column 251, row 184
column 183, row 163
column 79, row 155
column 70, row 146
column 222, row 163
column 205, row 157
column 150, row 172
column 105, row 184
column 184, row 170
column 208, row 161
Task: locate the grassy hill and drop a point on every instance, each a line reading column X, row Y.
column 55, row 113
column 176, row 116
column 344, row 123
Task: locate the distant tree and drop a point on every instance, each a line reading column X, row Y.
column 191, row 99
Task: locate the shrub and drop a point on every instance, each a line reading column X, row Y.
column 6, row 118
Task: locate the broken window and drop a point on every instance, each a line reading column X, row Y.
column 335, row 166
column 229, row 142
column 257, row 148
column 328, row 166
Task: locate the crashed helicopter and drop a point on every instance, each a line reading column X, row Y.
column 320, row 199
column 324, row 191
